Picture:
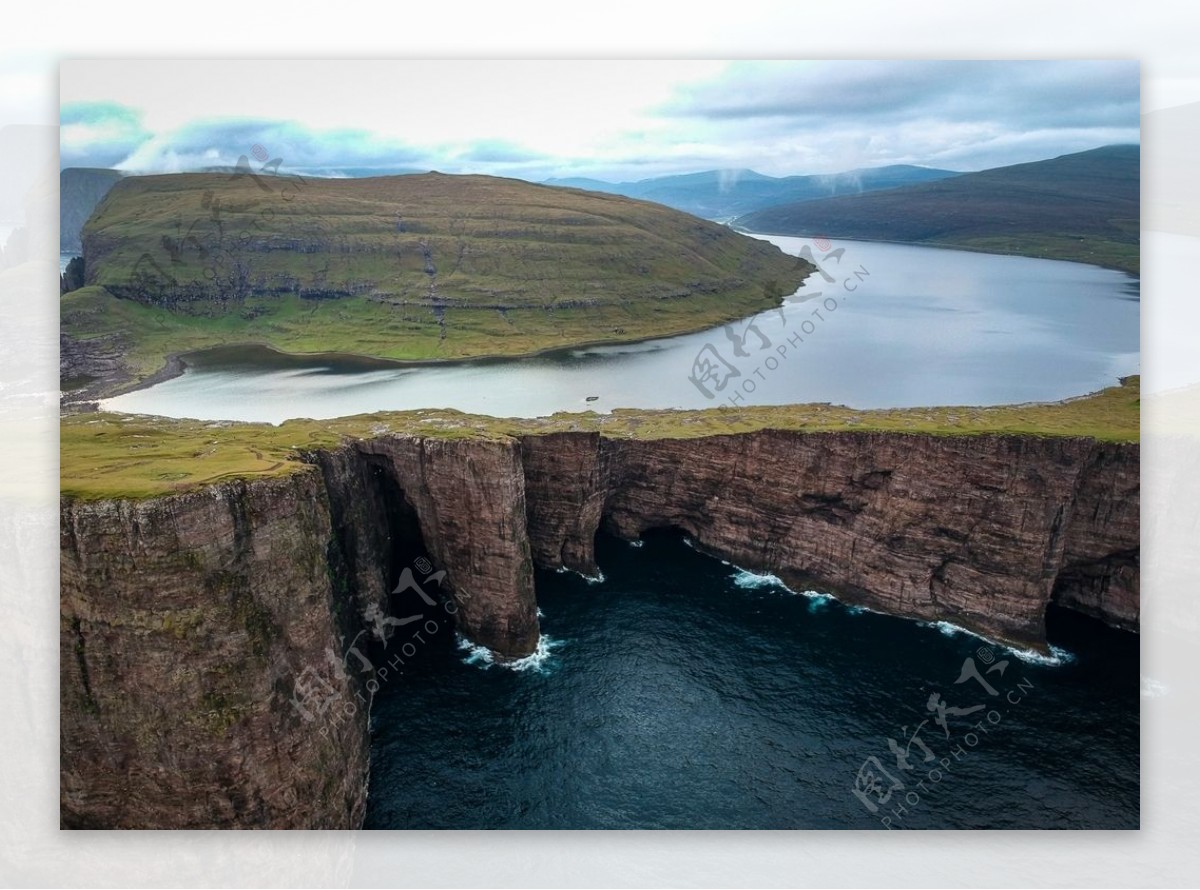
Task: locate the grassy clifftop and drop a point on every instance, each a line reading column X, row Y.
column 404, row 267
column 115, row 455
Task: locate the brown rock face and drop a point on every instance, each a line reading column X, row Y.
column 186, row 625
column 468, row 497
column 980, row 531
column 212, row 674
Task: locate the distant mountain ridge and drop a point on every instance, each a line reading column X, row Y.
column 1083, row 206
column 80, row 189
column 723, row 194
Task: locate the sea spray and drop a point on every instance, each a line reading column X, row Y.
column 539, row 661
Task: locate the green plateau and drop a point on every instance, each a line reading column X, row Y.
column 106, row 455
column 413, row 267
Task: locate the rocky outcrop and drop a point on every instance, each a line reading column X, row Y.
column 80, row 189
column 211, row 669
column 203, row 243
column 468, row 496
column 196, row 685
column 980, row 531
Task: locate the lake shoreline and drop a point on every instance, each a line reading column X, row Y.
column 1136, row 276
column 175, row 364
column 919, row 329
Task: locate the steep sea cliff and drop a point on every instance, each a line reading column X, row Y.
column 212, row 639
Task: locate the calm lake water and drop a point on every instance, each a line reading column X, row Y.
column 680, row 692
column 898, row 326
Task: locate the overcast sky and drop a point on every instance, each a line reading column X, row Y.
column 611, row 120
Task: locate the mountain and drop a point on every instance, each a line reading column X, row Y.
column 1082, row 206
column 80, row 189
column 420, row 266
column 722, row 194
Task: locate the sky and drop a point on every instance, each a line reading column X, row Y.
column 613, row 120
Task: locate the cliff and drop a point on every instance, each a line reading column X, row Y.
column 186, row 624
column 978, row 531
column 413, row 267
column 80, row 189
column 196, row 624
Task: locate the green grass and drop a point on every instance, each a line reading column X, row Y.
column 114, row 455
column 360, row 326
column 404, row 267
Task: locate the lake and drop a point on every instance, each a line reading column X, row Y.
column 885, row 325
column 681, row 692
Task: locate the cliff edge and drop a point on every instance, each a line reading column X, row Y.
column 197, row 619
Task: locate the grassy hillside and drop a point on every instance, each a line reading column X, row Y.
column 405, row 267
column 114, row 455
column 1082, row 207
column 721, row 194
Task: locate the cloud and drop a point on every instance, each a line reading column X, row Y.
column 1072, row 93
column 498, row 151
column 220, row 142
column 98, row 134
column 777, row 118
column 969, row 114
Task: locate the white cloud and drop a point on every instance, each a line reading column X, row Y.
column 615, row 119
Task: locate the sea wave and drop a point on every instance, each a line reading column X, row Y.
column 539, row 661
column 597, row 578
column 1058, row 656
column 748, row 580
column 753, row 580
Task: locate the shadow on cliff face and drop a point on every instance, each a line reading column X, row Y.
column 1107, row 589
column 378, row 556
column 406, row 544
column 413, row 579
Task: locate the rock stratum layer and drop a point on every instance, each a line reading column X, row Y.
column 195, row 626
column 414, row 267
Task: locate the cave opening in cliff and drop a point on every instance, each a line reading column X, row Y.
column 409, row 570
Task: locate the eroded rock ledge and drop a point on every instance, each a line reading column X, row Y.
column 192, row 621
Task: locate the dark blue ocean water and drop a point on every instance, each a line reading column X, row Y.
column 682, row 693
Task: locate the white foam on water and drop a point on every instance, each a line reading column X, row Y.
column 637, row 543
column 947, row 629
column 1057, row 656
column 753, row 580
column 749, row 580
column 483, row 657
column 598, row 578
column 817, row 600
